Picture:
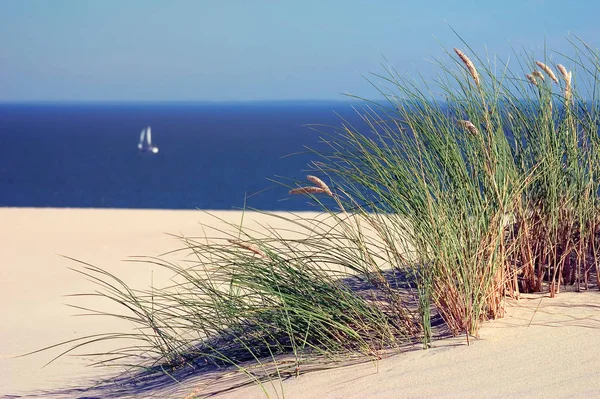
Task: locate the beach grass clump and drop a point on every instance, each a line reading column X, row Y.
column 444, row 171
column 253, row 296
column 452, row 196
column 556, row 139
column 496, row 179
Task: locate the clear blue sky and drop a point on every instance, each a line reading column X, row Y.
column 186, row 50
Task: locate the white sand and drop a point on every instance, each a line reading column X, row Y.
column 556, row 356
column 551, row 352
column 34, row 279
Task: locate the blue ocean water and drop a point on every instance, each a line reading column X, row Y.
column 212, row 155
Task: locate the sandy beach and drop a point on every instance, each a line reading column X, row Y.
column 35, row 279
column 548, row 351
column 543, row 347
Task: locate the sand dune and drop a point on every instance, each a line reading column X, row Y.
column 543, row 347
column 35, row 278
column 551, row 352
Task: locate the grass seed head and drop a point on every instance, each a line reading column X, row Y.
column 308, row 190
column 548, row 71
column 249, row 247
column 532, row 79
column 568, row 90
column 567, row 76
column 563, row 71
column 468, row 125
column 538, row 74
column 319, row 183
column 469, row 64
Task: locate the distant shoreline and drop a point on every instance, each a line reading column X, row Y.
column 349, row 101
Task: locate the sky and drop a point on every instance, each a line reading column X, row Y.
column 228, row 50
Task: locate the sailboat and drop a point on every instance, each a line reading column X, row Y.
column 145, row 144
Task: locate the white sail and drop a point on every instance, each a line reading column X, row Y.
column 145, row 144
column 141, row 143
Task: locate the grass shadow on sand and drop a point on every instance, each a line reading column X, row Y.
column 205, row 377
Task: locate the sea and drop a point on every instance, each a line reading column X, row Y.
column 224, row 156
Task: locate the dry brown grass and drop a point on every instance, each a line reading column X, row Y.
column 539, row 75
column 320, row 184
column 548, row 71
column 469, row 65
column 249, row 247
column 468, row 125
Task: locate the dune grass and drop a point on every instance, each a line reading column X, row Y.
column 463, row 191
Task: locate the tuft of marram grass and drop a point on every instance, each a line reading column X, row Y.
column 469, row 65
column 548, row 71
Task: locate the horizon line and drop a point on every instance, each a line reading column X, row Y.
column 150, row 102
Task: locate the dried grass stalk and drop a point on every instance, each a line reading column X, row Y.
column 469, row 64
column 532, row 79
column 538, row 74
column 321, row 187
column 568, row 91
column 309, row 190
column 249, row 247
column 563, row 71
column 567, row 76
column 570, row 78
column 319, row 183
column 468, row 125
column 548, row 71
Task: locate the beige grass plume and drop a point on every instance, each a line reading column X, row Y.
column 563, row 71
column 468, row 125
column 567, row 76
column 568, row 93
column 249, row 247
column 548, row 71
column 538, row 74
column 319, row 183
column 308, row 190
column 532, row 79
column 470, row 66
column 321, row 187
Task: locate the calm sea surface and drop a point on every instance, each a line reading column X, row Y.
column 211, row 156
